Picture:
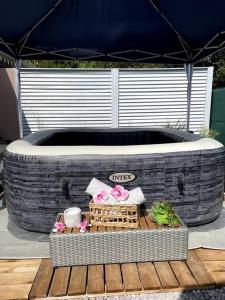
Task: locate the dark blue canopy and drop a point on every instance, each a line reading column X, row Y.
column 165, row 31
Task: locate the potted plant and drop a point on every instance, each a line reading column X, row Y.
column 163, row 214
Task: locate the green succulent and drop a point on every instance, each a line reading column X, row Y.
column 163, row 214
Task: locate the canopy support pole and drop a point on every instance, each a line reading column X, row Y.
column 189, row 73
column 18, row 95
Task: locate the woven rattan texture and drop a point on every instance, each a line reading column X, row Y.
column 134, row 245
column 126, row 216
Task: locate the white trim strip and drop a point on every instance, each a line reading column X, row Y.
column 208, row 97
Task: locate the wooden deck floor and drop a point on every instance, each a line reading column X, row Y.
column 34, row 278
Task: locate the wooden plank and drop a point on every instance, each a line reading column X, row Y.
column 14, row 291
column 130, row 277
column 67, row 229
column 201, row 275
column 210, row 254
column 101, row 228
column 93, row 228
column 42, row 281
column 86, row 216
column 95, row 281
column 143, row 223
column 78, row 279
column 17, row 278
column 214, row 266
column 14, row 263
column 219, row 278
column 60, row 282
column 113, row 278
column 75, row 230
column 183, row 275
column 18, row 269
column 166, row 275
column 149, row 277
column 151, row 224
column 110, row 228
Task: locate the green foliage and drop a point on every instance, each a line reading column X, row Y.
column 162, row 213
column 218, row 62
column 210, row 133
column 89, row 64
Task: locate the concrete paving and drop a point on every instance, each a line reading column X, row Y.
column 18, row 243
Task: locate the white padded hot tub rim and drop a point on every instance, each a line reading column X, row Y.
column 25, row 148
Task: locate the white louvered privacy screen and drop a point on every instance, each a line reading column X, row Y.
column 59, row 98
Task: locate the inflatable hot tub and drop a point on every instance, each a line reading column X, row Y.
column 49, row 171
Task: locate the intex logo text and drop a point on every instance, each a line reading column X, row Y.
column 122, row 177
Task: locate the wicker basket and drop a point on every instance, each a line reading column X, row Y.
column 114, row 215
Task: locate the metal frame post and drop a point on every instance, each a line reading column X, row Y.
column 115, row 97
column 189, row 73
column 18, row 95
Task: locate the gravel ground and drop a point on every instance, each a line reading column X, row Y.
column 210, row 294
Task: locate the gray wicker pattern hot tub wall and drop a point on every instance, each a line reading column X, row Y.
column 42, row 177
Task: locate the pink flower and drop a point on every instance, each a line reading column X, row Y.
column 83, row 226
column 119, row 193
column 100, row 196
column 59, row 226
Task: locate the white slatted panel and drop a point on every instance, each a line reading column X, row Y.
column 157, row 97
column 63, row 98
column 59, row 98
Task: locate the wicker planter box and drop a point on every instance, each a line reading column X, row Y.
column 126, row 216
column 134, row 245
